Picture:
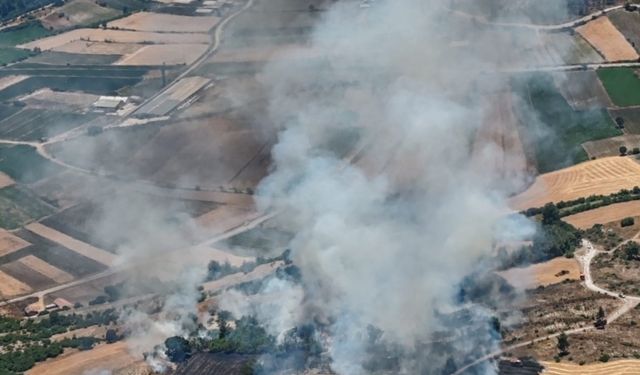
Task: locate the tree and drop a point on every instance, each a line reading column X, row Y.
column 620, row 122
column 223, row 325
column 495, row 323
column 449, row 367
column 631, row 250
column 600, row 314
column 563, row 343
column 550, row 214
column 623, row 150
column 178, row 349
column 627, row 222
column 111, row 336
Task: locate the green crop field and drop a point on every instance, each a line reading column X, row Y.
column 24, row 164
column 18, row 206
column 552, row 128
column 9, row 55
column 622, row 85
column 22, row 34
column 33, row 124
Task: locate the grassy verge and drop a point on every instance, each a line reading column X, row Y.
column 622, row 85
column 553, row 130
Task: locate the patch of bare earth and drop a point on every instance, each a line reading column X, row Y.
column 601, row 34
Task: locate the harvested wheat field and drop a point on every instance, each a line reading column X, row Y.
column 46, row 269
column 146, row 21
column 98, row 48
column 601, row 34
column 621, row 367
column 5, row 180
column 600, row 176
column 603, row 215
column 10, row 243
column 114, row 36
column 71, row 243
column 107, row 357
column 547, row 273
column 170, row 54
column 49, row 99
column 10, row 286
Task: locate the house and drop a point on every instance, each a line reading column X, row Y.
column 110, row 103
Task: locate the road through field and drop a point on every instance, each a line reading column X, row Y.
column 628, row 303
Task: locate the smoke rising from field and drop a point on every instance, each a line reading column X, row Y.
column 387, row 239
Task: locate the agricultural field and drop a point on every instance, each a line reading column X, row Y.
column 611, row 146
column 62, row 58
column 78, row 13
column 210, row 363
column 23, row 164
column 59, row 100
column 9, row 55
column 115, row 36
column 19, row 206
column 563, row 128
column 604, row 215
column 564, row 48
column 169, row 54
column 145, row 21
column 10, row 243
column 631, row 118
column 547, row 273
column 582, row 90
column 22, row 34
column 69, row 188
column 33, row 124
column 629, row 25
column 82, row 47
column 601, row 34
column 622, row 84
column 620, row 366
column 600, row 176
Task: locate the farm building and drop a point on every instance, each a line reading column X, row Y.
column 62, row 303
column 110, row 103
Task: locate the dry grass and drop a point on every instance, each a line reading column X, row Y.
column 601, row 34
column 10, row 286
column 46, row 269
column 546, row 273
column 71, row 243
column 600, row 176
column 603, row 215
column 114, row 36
column 170, row 54
column 49, row 99
column 109, row 357
column 98, row 48
column 611, row 146
column 145, row 21
column 10, row 243
column 625, row 366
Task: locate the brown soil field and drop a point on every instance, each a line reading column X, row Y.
column 46, row 269
column 542, row 273
column 10, row 243
column 98, row 48
column 77, row 12
column 10, row 286
column 110, row 357
column 600, row 176
column 145, row 21
column 11, row 80
column 170, row 54
column 498, row 145
column 618, row 367
column 5, row 180
column 603, row 215
column 601, row 34
column 49, row 99
column 582, row 89
column 611, row 146
column 266, row 53
column 115, row 36
column 71, row 243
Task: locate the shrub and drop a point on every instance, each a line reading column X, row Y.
column 627, row 222
column 623, row 150
column 604, row 358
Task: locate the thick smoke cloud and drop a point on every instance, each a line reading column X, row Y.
column 384, row 237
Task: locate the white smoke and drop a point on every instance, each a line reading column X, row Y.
column 386, row 240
